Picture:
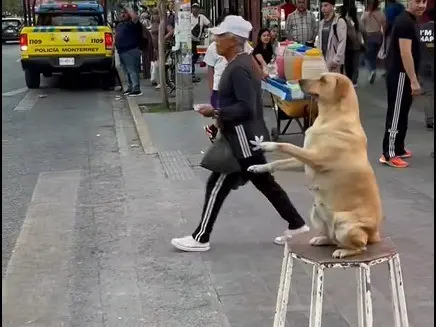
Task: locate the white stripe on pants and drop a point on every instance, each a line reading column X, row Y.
column 393, row 130
column 210, row 205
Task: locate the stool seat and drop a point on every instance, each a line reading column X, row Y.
column 299, row 246
column 320, row 257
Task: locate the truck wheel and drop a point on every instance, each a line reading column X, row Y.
column 33, row 79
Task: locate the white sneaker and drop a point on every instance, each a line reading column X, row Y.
column 188, row 244
column 281, row 240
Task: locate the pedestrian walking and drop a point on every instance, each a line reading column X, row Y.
column 128, row 36
column 356, row 40
column 241, row 120
column 332, row 37
column 216, row 64
column 301, row 25
column 198, row 23
column 403, row 62
column 374, row 22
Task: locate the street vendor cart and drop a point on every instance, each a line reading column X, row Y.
column 290, row 104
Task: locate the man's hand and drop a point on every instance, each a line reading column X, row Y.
column 416, row 87
column 207, row 110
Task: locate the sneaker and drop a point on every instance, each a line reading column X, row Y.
column 157, row 87
column 281, row 240
column 372, row 77
column 135, row 94
column 429, row 125
column 395, row 162
column 188, row 244
column 127, row 92
column 407, row 154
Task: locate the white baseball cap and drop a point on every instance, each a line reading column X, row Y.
column 235, row 25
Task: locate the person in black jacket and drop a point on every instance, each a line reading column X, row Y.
column 128, row 35
column 240, row 117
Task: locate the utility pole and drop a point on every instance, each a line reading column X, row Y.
column 184, row 87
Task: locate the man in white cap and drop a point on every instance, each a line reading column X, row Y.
column 240, row 117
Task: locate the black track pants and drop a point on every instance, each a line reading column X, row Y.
column 397, row 116
column 218, row 188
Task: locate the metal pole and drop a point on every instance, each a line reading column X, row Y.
column 184, row 87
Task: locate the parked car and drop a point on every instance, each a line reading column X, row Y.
column 11, row 27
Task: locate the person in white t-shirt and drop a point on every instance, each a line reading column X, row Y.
column 198, row 23
column 216, row 65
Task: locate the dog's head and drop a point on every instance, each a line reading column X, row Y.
column 330, row 88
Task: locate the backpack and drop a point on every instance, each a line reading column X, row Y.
column 354, row 37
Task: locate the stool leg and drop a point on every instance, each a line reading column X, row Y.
column 284, row 288
column 398, row 295
column 394, row 290
column 366, row 290
column 360, row 298
column 317, row 296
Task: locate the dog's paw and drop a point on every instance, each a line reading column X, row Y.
column 268, row 146
column 340, row 253
column 320, row 240
column 258, row 169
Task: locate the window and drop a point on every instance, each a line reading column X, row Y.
column 68, row 19
column 10, row 24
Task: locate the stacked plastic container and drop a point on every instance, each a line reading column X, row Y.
column 313, row 64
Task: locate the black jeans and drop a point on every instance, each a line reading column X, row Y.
column 397, row 116
column 351, row 65
column 218, row 187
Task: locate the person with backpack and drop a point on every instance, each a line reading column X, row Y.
column 128, row 36
column 355, row 42
column 332, row 37
column 198, row 23
column 374, row 21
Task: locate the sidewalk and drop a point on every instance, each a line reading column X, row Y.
column 235, row 284
column 151, row 95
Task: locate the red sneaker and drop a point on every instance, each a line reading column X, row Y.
column 395, row 162
column 407, row 154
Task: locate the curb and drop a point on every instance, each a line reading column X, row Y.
column 140, row 123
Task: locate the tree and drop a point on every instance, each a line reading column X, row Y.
column 162, row 8
column 14, row 7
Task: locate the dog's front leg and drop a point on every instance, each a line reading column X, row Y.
column 308, row 157
column 285, row 164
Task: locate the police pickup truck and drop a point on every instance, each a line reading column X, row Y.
column 67, row 37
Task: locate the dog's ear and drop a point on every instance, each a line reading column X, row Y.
column 342, row 87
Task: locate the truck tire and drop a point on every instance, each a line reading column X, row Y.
column 33, row 79
column 47, row 74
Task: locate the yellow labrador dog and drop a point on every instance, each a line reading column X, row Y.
column 347, row 209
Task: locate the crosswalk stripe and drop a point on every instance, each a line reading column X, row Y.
column 14, row 92
column 35, row 286
column 28, row 102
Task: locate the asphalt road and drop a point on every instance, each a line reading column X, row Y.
column 44, row 130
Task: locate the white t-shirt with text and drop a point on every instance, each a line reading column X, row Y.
column 219, row 63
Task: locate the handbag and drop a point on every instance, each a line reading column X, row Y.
column 219, row 158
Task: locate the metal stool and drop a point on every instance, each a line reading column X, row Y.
column 320, row 258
